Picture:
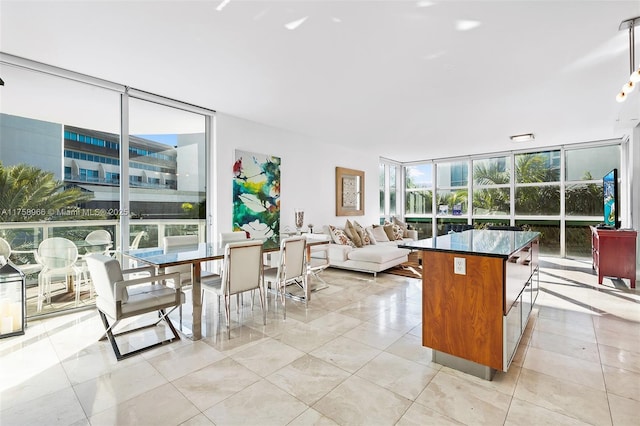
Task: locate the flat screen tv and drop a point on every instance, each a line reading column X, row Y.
column 611, row 200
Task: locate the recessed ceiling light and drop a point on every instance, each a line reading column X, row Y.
column 295, row 24
column 466, row 25
column 525, row 137
column 222, row 5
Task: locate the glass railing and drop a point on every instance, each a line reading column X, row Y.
column 25, row 238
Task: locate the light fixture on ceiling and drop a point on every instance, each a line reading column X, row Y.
column 634, row 78
column 525, row 137
column 1, row 82
column 295, row 24
column 222, row 5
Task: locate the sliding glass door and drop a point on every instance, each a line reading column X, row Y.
column 79, row 154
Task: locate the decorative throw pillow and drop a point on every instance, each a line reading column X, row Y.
column 388, row 229
column 369, row 231
column 379, row 234
column 394, row 232
column 401, row 224
column 398, row 232
column 339, row 237
column 366, row 240
column 352, row 233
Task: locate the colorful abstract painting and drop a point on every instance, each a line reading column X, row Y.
column 256, row 195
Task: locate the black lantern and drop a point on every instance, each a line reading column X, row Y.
column 12, row 301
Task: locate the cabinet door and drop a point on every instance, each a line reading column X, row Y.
column 512, row 332
column 535, row 286
column 527, row 304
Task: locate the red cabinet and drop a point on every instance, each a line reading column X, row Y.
column 614, row 253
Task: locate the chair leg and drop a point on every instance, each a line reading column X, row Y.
column 227, row 313
column 283, row 294
column 40, row 292
column 112, row 336
column 262, row 305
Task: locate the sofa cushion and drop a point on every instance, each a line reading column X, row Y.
column 379, row 234
column 377, row 253
column 339, row 236
column 364, row 235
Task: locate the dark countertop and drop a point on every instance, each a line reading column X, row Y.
column 476, row 242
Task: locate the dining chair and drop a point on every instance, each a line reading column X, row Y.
column 100, row 238
column 136, row 241
column 291, row 269
column 230, row 237
column 118, row 298
column 177, row 243
column 318, row 262
column 58, row 257
column 97, row 241
column 5, row 248
column 241, row 272
column 225, row 238
column 27, row 268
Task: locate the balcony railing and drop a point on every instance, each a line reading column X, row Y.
column 25, row 237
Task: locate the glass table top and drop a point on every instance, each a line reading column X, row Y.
column 476, row 241
column 201, row 252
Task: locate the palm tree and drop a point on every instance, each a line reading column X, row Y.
column 491, row 199
column 29, row 194
column 535, row 168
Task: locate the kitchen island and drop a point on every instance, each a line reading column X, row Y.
column 478, row 290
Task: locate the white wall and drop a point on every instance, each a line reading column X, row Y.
column 307, row 172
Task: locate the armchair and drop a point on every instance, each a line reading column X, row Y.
column 117, row 298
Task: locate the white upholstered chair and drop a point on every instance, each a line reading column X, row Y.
column 178, row 243
column 230, row 237
column 291, row 269
column 117, row 298
column 318, row 262
column 225, row 238
column 241, row 272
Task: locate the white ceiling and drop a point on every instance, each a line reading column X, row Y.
column 411, row 80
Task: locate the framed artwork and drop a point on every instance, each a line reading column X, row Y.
column 349, row 192
column 256, row 195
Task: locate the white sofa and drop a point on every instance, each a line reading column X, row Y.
column 371, row 258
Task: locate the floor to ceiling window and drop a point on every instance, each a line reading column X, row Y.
column 419, row 198
column 452, row 194
column 167, row 173
column 63, row 167
column 390, row 178
column 557, row 192
column 584, row 169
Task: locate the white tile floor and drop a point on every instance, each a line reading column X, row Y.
column 352, row 358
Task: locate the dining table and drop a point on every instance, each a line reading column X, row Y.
column 196, row 255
